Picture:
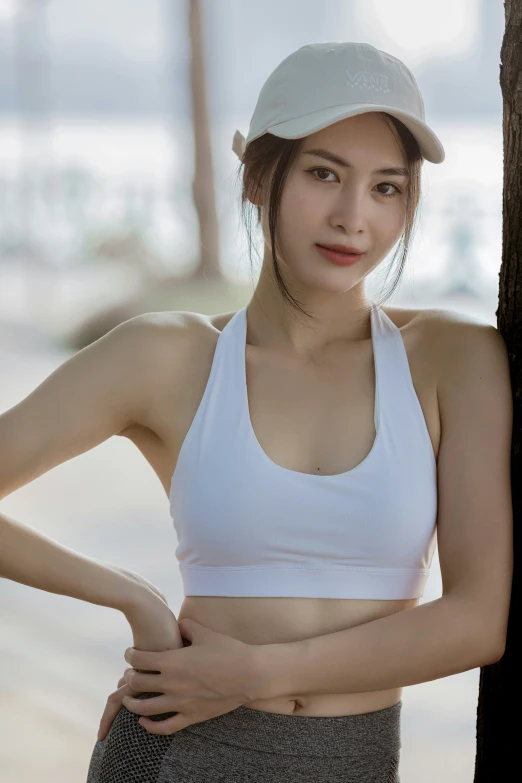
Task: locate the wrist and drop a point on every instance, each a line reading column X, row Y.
column 138, row 602
column 134, row 599
column 137, row 593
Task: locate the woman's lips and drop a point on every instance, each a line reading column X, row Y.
column 341, row 259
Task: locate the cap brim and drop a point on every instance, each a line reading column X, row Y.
column 430, row 145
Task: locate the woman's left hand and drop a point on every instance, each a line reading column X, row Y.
column 211, row 677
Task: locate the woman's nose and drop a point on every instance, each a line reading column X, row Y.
column 349, row 211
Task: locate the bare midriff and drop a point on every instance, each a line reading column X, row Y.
column 278, row 620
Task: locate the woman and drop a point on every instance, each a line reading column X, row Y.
column 311, row 445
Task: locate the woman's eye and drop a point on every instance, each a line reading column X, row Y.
column 311, row 171
column 396, row 191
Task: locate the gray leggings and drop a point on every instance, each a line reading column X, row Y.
column 250, row 746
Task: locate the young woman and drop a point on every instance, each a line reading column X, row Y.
column 311, row 445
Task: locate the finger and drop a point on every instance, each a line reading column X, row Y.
column 107, row 720
column 141, row 659
column 153, row 705
column 126, row 675
column 142, row 682
column 130, row 691
column 169, row 726
column 112, row 707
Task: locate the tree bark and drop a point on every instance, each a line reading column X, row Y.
column 203, row 186
column 497, row 715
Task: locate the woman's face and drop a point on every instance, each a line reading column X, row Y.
column 326, row 202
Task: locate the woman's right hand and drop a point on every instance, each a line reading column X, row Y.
column 113, row 706
column 154, row 629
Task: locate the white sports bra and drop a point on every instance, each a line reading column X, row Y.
column 248, row 527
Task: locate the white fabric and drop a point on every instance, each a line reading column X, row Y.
column 248, row 527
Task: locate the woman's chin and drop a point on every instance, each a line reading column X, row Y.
column 330, row 283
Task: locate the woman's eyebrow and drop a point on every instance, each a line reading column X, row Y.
column 397, row 171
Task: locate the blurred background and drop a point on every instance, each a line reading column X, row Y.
column 118, row 196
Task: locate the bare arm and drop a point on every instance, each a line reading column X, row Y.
column 33, row 559
column 95, row 394
column 467, row 626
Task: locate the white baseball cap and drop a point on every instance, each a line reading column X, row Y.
column 322, row 83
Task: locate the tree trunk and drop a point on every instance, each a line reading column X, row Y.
column 203, row 186
column 497, row 715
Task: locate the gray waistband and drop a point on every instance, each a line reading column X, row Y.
column 368, row 733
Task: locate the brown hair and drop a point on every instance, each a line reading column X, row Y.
column 269, row 158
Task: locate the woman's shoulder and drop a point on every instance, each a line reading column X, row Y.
column 169, row 345
column 179, row 325
column 180, row 341
column 443, row 338
column 436, row 319
column 436, row 330
column 185, row 322
column 171, row 351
